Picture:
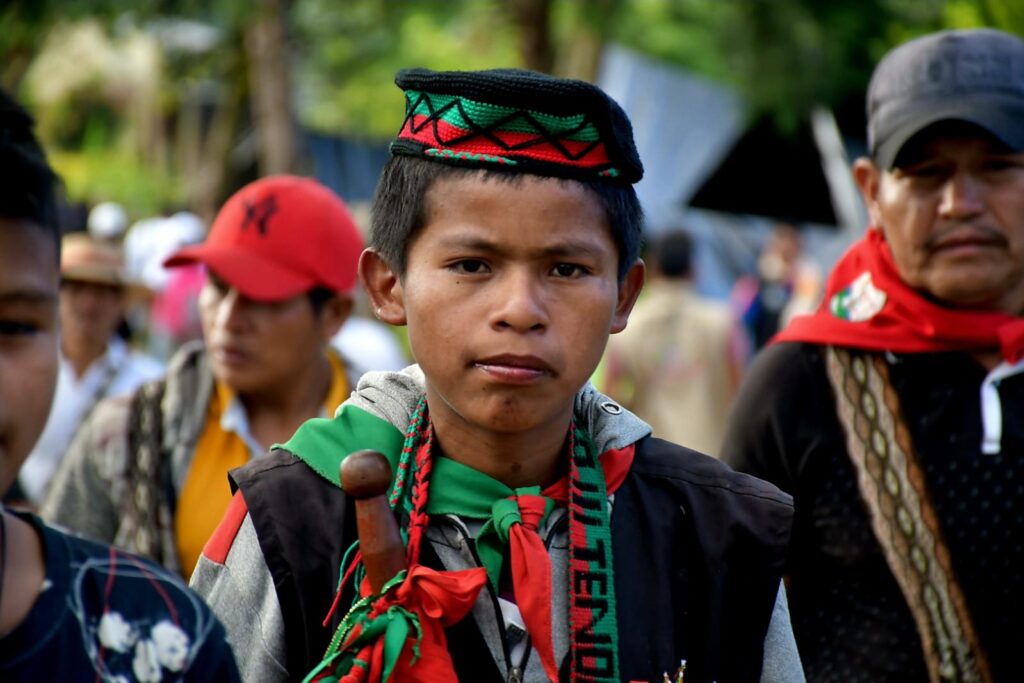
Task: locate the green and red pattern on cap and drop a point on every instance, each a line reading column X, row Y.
column 518, row 121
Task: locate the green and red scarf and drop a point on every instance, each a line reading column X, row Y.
column 868, row 306
column 399, row 634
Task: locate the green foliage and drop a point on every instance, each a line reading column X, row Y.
column 691, row 34
column 785, row 56
column 349, row 53
column 109, row 173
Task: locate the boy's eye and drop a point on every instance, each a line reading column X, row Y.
column 925, row 171
column 216, row 282
column 1000, row 163
column 13, row 328
column 569, row 270
column 469, row 266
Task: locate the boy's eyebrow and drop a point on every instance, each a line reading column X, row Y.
column 577, row 248
column 28, row 296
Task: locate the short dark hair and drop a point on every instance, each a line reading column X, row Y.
column 673, row 253
column 399, row 207
column 28, row 186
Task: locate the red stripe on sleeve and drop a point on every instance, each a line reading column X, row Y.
column 217, row 548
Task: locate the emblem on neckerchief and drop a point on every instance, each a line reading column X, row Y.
column 861, row 301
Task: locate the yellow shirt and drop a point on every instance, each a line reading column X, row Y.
column 205, row 495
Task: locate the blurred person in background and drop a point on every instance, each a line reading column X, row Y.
column 370, row 345
column 95, row 362
column 674, row 366
column 70, row 609
column 171, row 317
column 149, row 472
column 107, row 222
column 895, row 414
column 785, row 285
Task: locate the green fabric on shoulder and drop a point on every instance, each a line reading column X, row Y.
column 323, row 443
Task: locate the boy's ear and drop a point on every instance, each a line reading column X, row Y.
column 629, row 290
column 383, row 286
column 335, row 312
column 869, row 178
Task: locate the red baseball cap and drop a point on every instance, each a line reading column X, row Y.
column 279, row 237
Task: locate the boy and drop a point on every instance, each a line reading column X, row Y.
column 146, row 471
column 95, row 362
column 505, row 235
column 895, row 413
column 69, row 609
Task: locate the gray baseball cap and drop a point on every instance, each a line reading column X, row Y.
column 974, row 75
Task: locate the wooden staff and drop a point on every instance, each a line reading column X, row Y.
column 366, row 476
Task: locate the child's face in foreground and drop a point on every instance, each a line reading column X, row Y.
column 510, row 293
column 29, row 280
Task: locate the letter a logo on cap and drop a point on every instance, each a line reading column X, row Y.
column 259, row 213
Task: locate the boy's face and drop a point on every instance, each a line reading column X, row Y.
column 29, row 281
column 510, row 293
column 261, row 347
column 952, row 212
column 89, row 312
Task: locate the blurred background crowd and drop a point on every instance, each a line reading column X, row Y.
column 746, row 115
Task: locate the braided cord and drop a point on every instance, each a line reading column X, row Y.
column 413, row 435
column 418, row 518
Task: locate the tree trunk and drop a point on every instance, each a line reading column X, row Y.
column 580, row 55
column 269, row 57
column 533, row 18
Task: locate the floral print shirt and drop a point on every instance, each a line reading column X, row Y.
column 105, row 615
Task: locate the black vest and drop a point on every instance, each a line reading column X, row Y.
column 698, row 552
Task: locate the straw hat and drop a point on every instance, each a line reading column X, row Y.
column 85, row 259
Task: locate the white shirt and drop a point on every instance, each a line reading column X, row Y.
column 118, row 371
column 369, row 345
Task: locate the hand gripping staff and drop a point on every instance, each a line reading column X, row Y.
column 394, row 632
column 365, row 477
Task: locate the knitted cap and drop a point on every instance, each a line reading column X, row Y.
column 515, row 120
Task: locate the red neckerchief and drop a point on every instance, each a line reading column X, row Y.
column 867, row 306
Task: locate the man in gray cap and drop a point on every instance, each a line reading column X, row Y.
column 895, row 414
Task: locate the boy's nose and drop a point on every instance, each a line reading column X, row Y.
column 519, row 304
column 961, row 197
column 231, row 309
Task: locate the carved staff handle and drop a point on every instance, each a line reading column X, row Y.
column 366, row 476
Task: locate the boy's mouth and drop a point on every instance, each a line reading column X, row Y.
column 230, row 354
column 515, row 369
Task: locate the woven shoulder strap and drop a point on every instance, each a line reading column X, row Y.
column 145, row 512
column 892, row 485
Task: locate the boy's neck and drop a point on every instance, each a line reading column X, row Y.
column 275, row 415
column 24, row 572
column 82, row 354
column 537, row 457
